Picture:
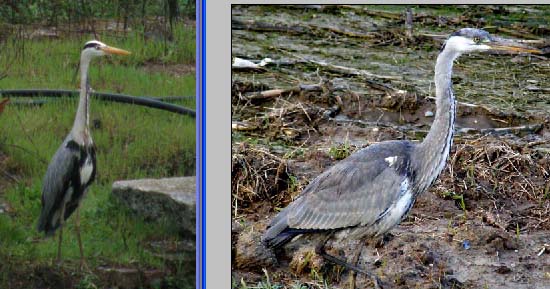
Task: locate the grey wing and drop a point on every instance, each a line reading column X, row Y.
column 356, row 191
column 57, row 181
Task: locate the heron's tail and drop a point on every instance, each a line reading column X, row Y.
column 278, row 240
column 46, row 224
column 278, row 232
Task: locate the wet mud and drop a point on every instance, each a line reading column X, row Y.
column 340, row 78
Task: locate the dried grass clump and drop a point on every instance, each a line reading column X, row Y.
column 507, row 173
column 257, row 176
column 290, row 120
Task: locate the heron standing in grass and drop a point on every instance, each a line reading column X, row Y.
column 73, row 167
column 371, row 191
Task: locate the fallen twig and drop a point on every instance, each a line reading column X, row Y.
column 267, row 94
column 349, row 70
column 533, row 128
column 242, row 126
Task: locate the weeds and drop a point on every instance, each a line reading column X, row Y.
column 318, row 283
column 340, row 151
column 53, row 63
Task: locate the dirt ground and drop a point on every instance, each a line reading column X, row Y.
column 344, row 77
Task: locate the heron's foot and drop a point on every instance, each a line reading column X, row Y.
column 376, row 281
column 338, row 261
column 84, row 266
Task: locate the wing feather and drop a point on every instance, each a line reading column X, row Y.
column 59, row 177
column 353, row 192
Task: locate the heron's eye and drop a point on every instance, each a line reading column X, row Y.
column 477, row 39
column 97, row 48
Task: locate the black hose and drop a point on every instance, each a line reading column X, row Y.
column 144, row 101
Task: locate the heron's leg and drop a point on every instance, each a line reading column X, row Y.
column 354, row 261
column 83, row 264
column 61, row 222
column 320, row 248
column 321, row 251
column 58, row 261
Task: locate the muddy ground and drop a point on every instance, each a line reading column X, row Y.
column 344, row 77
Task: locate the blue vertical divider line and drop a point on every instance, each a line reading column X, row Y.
column 203, row 151
column 200, row 261
column 197, row 148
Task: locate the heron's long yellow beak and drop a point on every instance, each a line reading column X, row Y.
column 114, row 50
column 513, row 48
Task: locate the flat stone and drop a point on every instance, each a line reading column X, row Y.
column 129, row 278
column 4, row 208
column 170, row 198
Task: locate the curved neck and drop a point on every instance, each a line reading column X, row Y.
column 80, row 129
column 435, row 148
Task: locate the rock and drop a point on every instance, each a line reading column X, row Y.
column 170, row 198
column 306, row 260
column 250, row 253
column 428, row 258
column 503, row 270
column 4, row 208
column 129, row 278
column 451, row 282
column 174, row 251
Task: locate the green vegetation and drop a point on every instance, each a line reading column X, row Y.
column 53, row 63
column 340, row 151
column 56, row 12
column 131, row 141
column 317, row 283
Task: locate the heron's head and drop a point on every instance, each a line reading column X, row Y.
column 96, row 48
column 467, row 40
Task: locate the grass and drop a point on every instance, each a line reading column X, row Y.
column 53, row 63
column 132, row 142
column 340, row 151
column 266, row 283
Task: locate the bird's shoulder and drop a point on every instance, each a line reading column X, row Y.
column 62, row 167
column 387, row 159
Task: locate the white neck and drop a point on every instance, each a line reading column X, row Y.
column 80, row 129
column 435, row 148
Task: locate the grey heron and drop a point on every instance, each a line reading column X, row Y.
column 370, row 192
column 73, row 167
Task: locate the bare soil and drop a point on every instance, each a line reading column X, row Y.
column 484, row 224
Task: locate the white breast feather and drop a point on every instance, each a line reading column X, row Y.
column 391, row 160
column 397, row 210
column 86, row 171
column 402, row 204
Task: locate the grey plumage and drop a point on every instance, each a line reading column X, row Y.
column 369, row 192
column 348, row 194
column 62, row 184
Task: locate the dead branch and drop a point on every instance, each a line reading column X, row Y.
column 268, row 94
column 349, row 70
column 258, row 26
column 242, row 126
column 533, row 128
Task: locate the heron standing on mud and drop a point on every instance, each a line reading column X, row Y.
column 368, row 193
column 73, row 167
